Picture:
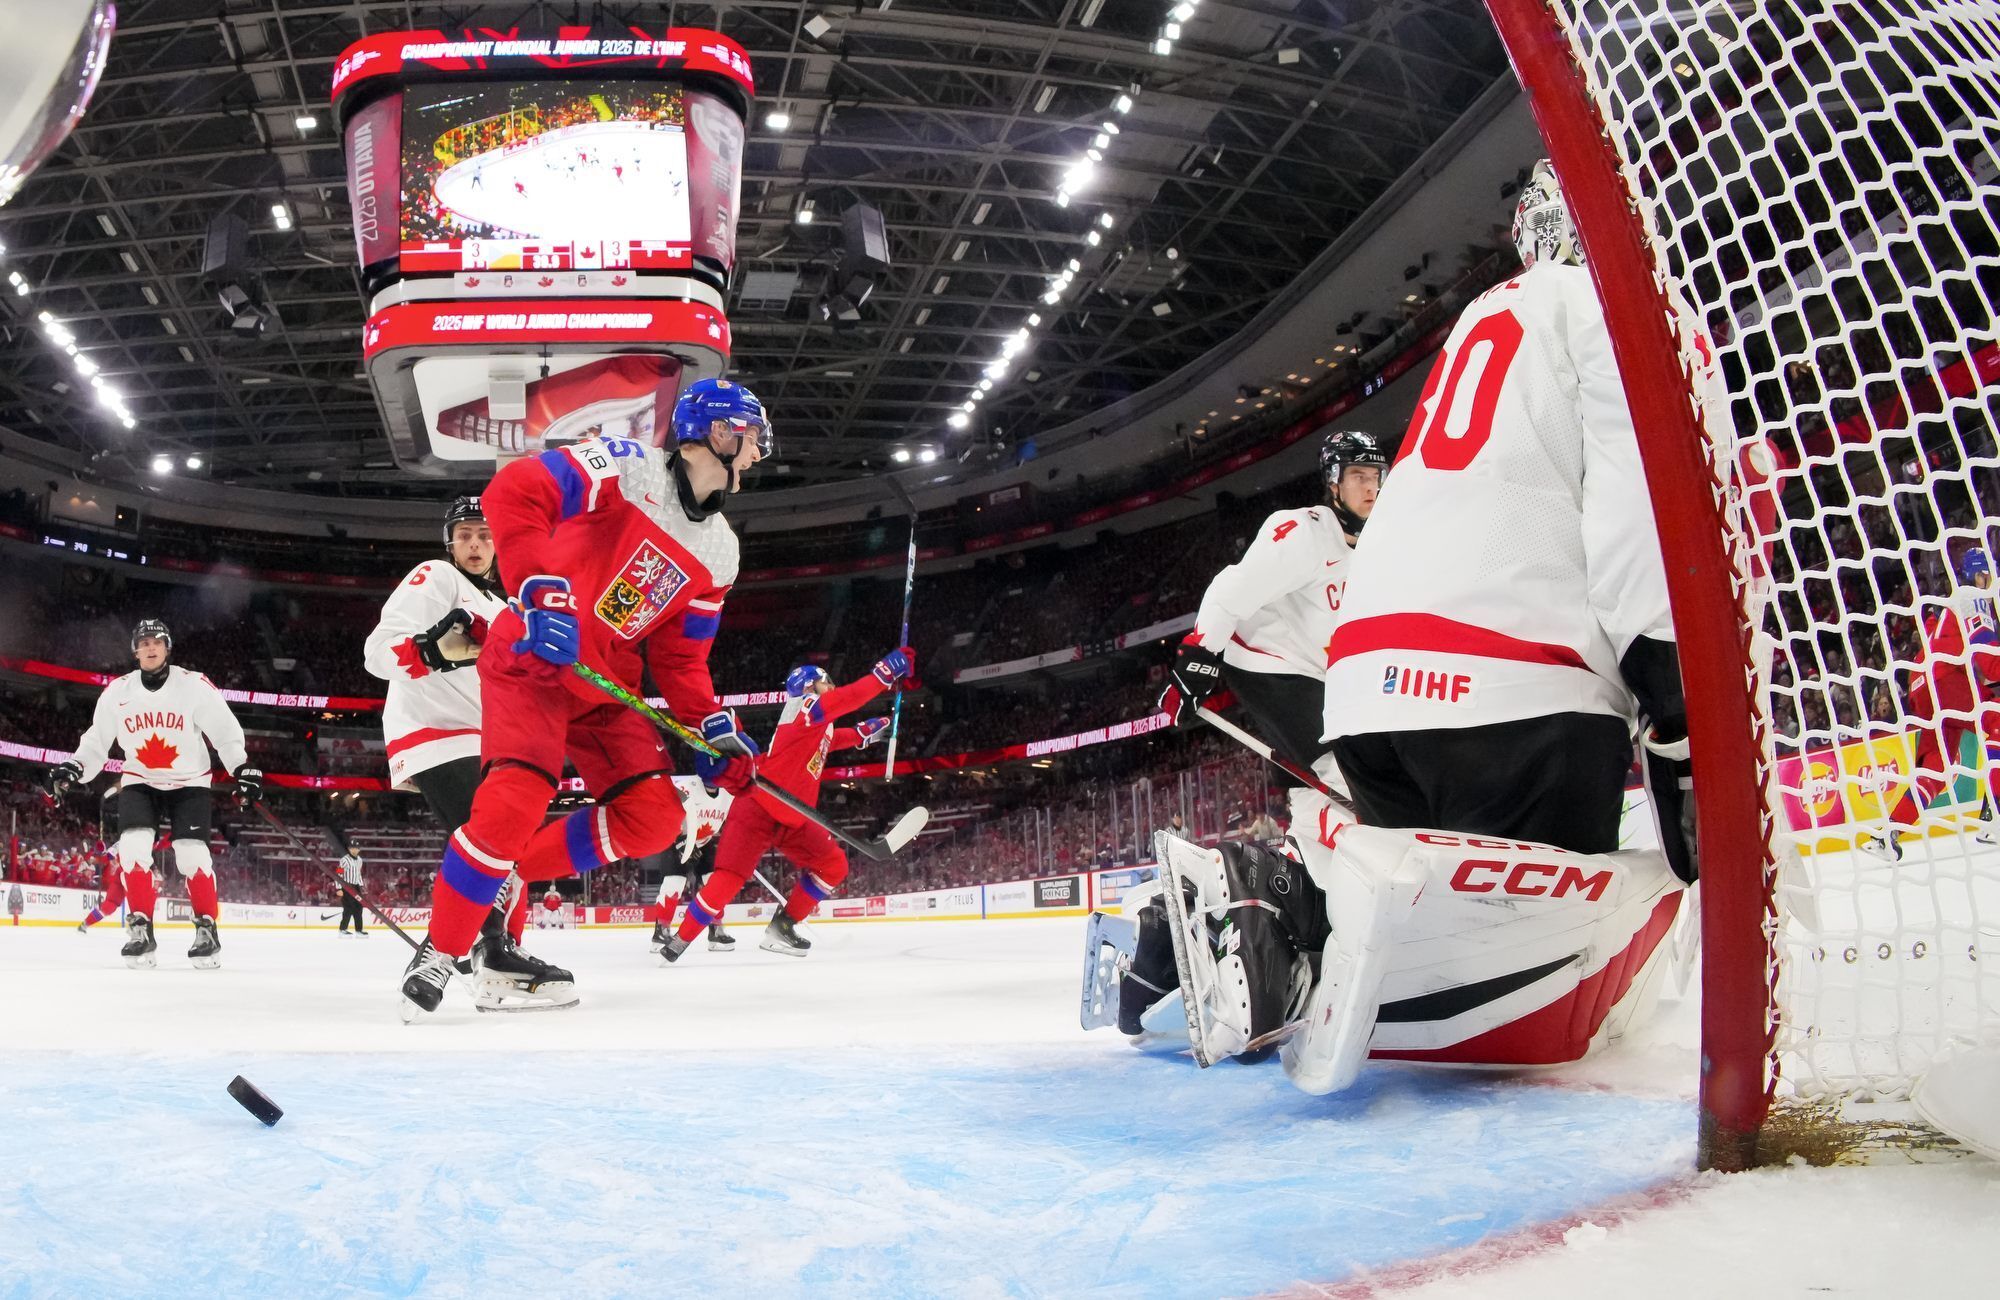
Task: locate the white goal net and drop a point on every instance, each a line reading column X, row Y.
column 1816, row 182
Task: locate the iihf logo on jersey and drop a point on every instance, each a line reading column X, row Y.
column 1422, row 684
column 637, row 595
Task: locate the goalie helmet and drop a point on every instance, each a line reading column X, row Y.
column 151, row 627
column 461, row 510
column 1543, row 231
column 1343, row 448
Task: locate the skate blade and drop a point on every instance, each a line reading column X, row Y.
column 783, row 948
column 410, row 1012
column 722, row 947
column 205, row 963
column 512, row 1008
column 145, row 962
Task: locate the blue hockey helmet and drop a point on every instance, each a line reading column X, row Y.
column 800, row 680
column 1974, row 565
column 710, row 406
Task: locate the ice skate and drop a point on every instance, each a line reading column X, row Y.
column 140, row 948
column 719, row 940
column 1883, row 848
column 784, row 935
column 206, row 954
column 661, row 934
column 671, row 950
column 424, row 980
column 505, row 978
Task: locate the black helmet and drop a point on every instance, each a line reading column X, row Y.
column 151, row 627
column 1342, row 448
column 462, row 509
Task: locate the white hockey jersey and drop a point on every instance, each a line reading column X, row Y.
column 1274, row 610
column 1512, row 556
column 705, row 814
column 430, row 717
column 164, row 734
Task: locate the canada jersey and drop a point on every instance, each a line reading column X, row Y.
column 164, row 734
column 429, row 717
column 804, row 737
column 703, row 814
column 1274, row 610
column 1512, row 556
column 604, row 513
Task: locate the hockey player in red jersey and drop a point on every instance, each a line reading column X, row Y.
column 804, row 737
column 609, row 543
column 1956, row 695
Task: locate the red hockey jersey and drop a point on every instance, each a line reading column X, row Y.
column 1962, row 658
column 805, row 736
column 604, row 514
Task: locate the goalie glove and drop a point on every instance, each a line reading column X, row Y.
column 430, row 643
column 871, row 730
column 1195, row 676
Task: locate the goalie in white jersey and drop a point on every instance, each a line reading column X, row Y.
column 1265, row 621
column 426, row 647
column 164, row 718
column 1502, row 635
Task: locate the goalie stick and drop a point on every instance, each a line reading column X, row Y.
column 907, row 827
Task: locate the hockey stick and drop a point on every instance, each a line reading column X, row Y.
column 909, row 586
column 882, row 850
column 1275, row 759
column 359, row 897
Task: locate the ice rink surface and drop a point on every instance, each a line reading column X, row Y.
column 911, row 1111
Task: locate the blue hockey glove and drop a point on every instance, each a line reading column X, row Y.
column 719, row 729
column 549, row 613
column 717, row 773
column 896, row 665
column 872, row 730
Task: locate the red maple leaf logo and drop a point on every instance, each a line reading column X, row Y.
column 472, row 282
column 156, row 754
column 545, row 281
column 407, row 660
column 620, row 280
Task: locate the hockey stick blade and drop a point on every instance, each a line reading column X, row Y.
column 910, row 825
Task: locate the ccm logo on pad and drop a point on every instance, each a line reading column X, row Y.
column 1424, row 684
column 1529, row 879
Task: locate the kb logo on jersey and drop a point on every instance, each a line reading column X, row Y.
column 641, row 591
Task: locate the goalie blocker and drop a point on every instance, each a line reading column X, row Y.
column 1394, row 944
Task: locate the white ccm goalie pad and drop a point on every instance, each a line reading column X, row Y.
column 1466, row 950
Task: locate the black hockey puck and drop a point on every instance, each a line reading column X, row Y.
column 255, row 1102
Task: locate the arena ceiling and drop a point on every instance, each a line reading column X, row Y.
column 1268, row 127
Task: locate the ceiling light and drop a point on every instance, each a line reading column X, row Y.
column 1123, row 104
column 1062, row 201
column 979, row 214
column 923, row 314
column 1104, row 219
column 305, row 122
column 907, row 341
column 1095, row 154
column 84, row 365
column 818, row 26
column 129, row 422
column 1052, row 297
column 281, row 215
column 152, row 297
column 193, row 462
column 1163, row 46
column 109, row 227
column 958, row 419
column 131, row 262
column 1289, row 55
column 958, row 254
column 1162, row 309
column 1182, row 12
column 804, row 216
column 1075, row 265
column 1079, row 174
column 1173, row 32
column 778, row 120
column 927, row 455
column 1044, row 97
column 186, row 354
column 1108, row 128
column 985, row 385
column 979, row 394
column 163, row 464
column 941, row 282
column 1093, row 239
column 1091, row 8
column 1034, row 319
column 1100, row 141
column 167, row 324
column 901, row 455
column 1173, row 254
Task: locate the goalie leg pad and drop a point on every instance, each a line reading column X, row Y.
column 1275, row 915
column 1191, row 881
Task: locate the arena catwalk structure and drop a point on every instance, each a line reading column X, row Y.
column 1800, row 199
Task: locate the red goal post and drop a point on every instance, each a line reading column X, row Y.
column 1763, row 180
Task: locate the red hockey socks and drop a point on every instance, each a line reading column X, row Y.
column 808, row 894
column 517, row 914
column 468, row 880
column 201, row 894
column 139, row 892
